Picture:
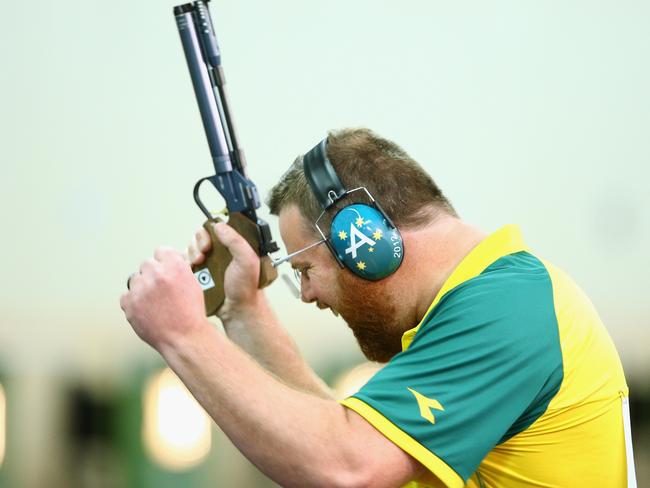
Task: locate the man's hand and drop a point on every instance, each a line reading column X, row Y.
column 242, row 275
column 164, row 301
column 248, row 319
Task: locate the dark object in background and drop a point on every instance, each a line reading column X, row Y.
column 90, row 418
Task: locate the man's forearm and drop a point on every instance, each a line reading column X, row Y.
column 294, row 437
column 258, row 332
column 297, row 438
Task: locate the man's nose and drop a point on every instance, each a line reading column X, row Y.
column 306, row 293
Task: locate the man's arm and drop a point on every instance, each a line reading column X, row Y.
column 253, row 326
column 296, row 438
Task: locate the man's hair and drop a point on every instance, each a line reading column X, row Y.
column 360, row 157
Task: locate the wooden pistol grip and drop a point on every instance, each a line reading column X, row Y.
column 210, row 274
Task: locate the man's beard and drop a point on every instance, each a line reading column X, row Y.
column 370, row 311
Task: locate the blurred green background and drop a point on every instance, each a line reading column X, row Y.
column 535, row 113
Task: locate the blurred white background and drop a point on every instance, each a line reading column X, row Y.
column 536, row 113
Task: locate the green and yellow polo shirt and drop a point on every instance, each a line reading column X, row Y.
column 509, row 380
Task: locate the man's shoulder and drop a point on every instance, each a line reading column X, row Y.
column 506, row 312
column 510, row 285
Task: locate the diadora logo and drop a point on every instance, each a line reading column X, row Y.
column 426, row 404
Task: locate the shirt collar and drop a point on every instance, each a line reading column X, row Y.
column 506, row 240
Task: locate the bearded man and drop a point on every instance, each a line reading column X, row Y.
column 498, row 369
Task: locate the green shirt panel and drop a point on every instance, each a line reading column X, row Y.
column 488, row 352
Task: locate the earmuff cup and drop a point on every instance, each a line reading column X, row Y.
column 365, row 242
column 362, row 237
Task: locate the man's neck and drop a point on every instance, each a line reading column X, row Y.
column 431, row 255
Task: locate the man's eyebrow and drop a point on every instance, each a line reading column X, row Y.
column 299, row 264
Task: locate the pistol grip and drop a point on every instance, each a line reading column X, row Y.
column 210, row 274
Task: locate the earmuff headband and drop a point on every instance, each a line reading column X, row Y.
column 322, row 177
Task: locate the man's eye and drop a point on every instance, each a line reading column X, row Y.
column 299, row 272
column 305, row 271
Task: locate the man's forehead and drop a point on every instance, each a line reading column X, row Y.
column 295, row 235
column 293, row 227
column 292, row 223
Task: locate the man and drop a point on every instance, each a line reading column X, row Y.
column 499, row 371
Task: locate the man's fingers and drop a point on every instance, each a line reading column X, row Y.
column 164, row 253
column 203, row 241
column 147, row 265
column 133, row 279
column 236, row 244
column 199, row 247
column 123, row 300
column 194, row 255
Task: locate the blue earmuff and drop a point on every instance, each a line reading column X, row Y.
column 362, row 237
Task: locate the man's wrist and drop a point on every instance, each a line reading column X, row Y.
column 244, row 312
column 181, row 344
